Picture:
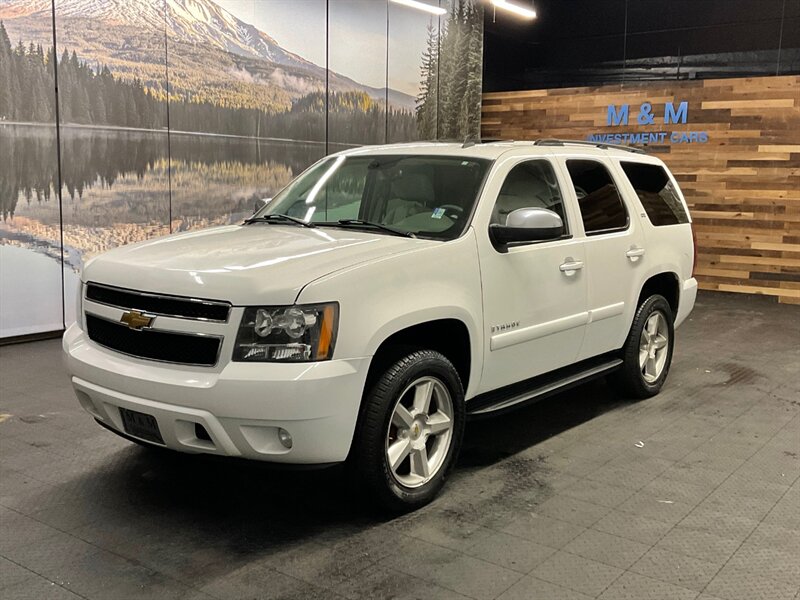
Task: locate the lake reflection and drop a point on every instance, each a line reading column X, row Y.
column 119, row 187
column 124, row 186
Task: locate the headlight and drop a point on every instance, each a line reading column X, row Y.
column 299, row 333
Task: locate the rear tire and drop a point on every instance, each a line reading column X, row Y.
column 410, row 431
column 647, row 353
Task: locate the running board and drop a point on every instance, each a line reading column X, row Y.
column 531, row 390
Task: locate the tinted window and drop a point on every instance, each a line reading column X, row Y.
column 658, row 195
column 530, row 184
column 601, row 206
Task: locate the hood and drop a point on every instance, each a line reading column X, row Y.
column 243, row 264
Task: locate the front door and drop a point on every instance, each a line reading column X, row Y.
column 534, row 295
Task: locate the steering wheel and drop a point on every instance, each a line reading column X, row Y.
column 455, row 207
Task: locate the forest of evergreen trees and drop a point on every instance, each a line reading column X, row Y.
column 28, row 93
column 448, row 107
column 449, row 103
column 27, row 89
column 98, row 97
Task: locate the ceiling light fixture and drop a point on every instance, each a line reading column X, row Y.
column 520, row 11
column 421, row 6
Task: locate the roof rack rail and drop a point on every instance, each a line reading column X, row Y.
column 601, row 145
column 471, row 141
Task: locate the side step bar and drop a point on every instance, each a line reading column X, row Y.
column 537, row 388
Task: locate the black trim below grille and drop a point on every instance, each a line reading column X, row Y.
column 172, row 306
column 152, row 344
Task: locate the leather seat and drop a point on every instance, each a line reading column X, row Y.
column 523, row 189
column 411, row 194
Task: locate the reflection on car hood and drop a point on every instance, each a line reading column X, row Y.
column 250, row 264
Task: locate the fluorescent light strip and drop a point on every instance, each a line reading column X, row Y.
column 435, row 10
column 521, row 11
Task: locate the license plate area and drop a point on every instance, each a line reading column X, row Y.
column 141, row 425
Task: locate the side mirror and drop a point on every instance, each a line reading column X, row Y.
column 261, row 203
column 527, row 225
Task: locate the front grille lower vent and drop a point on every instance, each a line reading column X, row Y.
column 159, row 304
column 153, row 344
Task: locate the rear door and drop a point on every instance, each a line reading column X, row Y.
column 615, row 253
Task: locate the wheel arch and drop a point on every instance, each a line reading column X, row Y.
column 448, row 335
column 664, row 283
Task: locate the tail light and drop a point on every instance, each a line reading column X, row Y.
column 694, row 251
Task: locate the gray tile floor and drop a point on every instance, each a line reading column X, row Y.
column 554, row 501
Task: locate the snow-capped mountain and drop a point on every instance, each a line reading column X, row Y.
column 200, row 23
column 205, row 21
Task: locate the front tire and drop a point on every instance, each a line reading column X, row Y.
column 647, row 353
column 410, row 431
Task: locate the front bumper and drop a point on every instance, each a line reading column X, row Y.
column 241, row 406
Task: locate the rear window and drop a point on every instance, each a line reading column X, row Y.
column 657, row 193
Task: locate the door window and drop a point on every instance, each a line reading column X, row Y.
column 531, row 184
column 657, row 193
column 602, row 209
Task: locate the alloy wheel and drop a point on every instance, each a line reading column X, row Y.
column 653, row 347
column 420, row 432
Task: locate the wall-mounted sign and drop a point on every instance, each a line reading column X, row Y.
column 674, row 112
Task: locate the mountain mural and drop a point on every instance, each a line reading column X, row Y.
column 213, row 55
column 244, row 116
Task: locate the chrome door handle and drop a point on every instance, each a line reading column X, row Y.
column 570, row 266
column 635, row 253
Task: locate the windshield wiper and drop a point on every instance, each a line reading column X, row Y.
column 278, row 218
column 386, row 228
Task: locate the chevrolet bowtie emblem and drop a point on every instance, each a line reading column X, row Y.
column 136, row 320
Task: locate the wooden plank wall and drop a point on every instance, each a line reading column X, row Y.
column 742, row 186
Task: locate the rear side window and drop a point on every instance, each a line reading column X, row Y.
column 602, row 209
column 657, row 193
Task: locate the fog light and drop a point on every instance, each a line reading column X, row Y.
column 285, row 437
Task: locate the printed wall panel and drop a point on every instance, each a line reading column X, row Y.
column 113, row 129
column 236, row 97
column 460, row 58
column 357, row 74
column 30, row 229
column 412, row 69
column 180, row 114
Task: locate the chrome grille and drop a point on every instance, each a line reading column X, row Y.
column 159, row 304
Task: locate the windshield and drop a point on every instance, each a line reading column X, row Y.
column 428, row 196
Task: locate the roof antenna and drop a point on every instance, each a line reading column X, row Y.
column 468, row 142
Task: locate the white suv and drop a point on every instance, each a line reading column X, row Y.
column 382, row 298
